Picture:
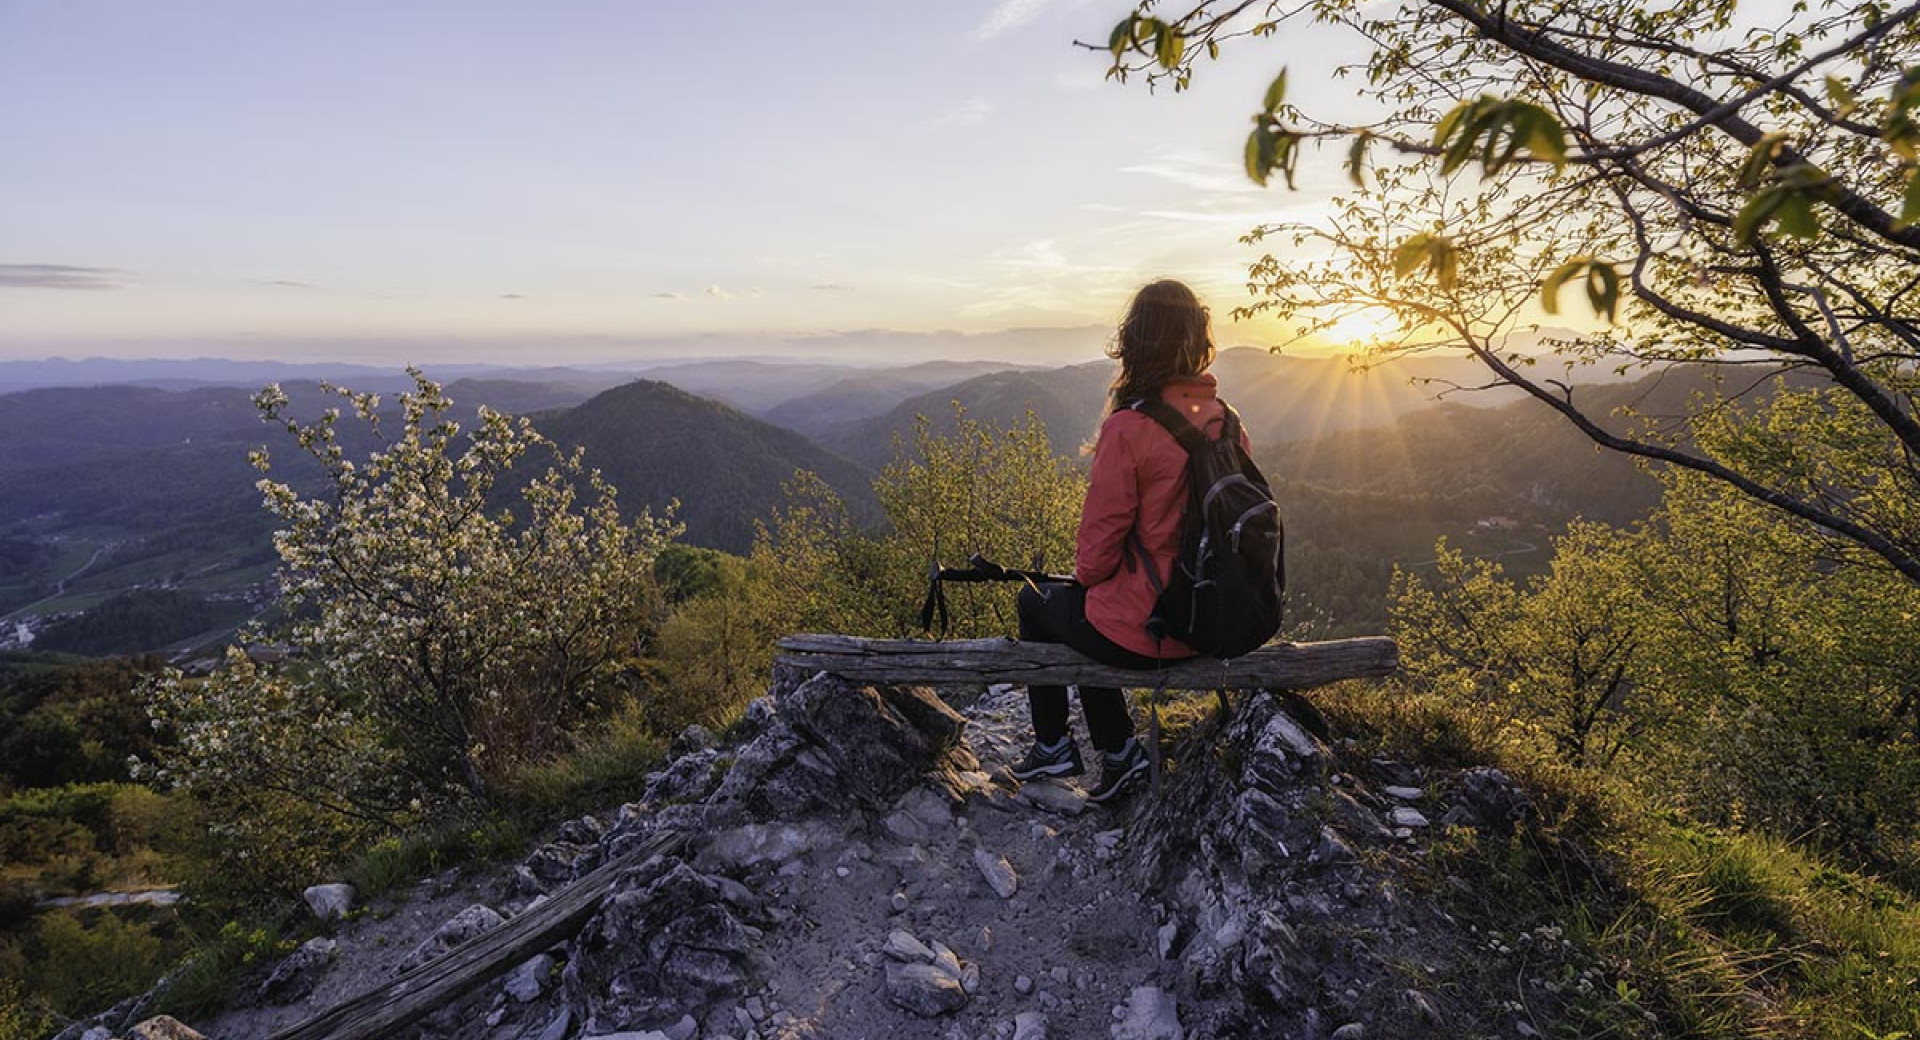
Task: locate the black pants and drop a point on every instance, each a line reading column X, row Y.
column 1058, row 614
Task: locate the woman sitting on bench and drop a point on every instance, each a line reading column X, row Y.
column 1129, row 536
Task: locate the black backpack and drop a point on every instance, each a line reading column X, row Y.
column 1223, row 597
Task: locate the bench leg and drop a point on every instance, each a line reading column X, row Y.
column 1153, row 742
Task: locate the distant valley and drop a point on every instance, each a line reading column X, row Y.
column 119, row 499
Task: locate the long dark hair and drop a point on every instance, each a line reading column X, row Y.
column 1165, row 336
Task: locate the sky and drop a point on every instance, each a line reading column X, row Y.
column 592, row 180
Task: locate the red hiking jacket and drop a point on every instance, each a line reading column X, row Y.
column 1139, row 483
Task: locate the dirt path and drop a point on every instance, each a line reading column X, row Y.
column 1069, row 942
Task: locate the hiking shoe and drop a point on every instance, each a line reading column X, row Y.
column 1121, row 771
column 1050, row 764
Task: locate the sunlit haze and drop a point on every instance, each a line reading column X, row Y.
column 596, row 181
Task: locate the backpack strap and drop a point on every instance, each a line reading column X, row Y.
column 1191, row 437
column 1172, row 421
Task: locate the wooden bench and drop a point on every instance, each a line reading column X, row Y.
column 1282, row 666
column 1279, row 667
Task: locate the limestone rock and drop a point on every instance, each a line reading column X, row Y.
column 553, row 865
column 664, row 943
column 1057, row 798
column 329, row 902
column 924, row 989
column 1152, row 1014
column 1405, row 794
column 298, row 973
column 474, row 920
column 998, row 872
column 530, row 979
column 1407, row 816
column 902, row 946
column 163, row 1027
column 825, row 743
column 1029, row 1025
column 754, row 843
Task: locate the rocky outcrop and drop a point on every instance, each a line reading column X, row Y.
column 851, row 869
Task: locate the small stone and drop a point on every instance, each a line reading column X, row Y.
column 899, row 902
column 1060, row 974
column 902, row 946
column 494, row 1017
column 970, row 979
column 1022, row 985
column 1405, row 794
column 1029, row 1025
column 985, row 940
column 559, row 1027
column 296, row 976
column 1406, row 816
column 841, row 872
column 1152, row 1014
column 329, row 902
column 163, row 1027
column 683, row 1029
column 463, row 926
column 1350, row 1031
column 530, row 979
column 1109, row 839
column 1047, row 1000
column 1056, row 798
column 998, row 872
column 1167, row 935
column 946, row 960
column 924, row 989
column 757, row 1008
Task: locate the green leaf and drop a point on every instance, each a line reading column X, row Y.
column 1213, row 49
column 1410, row 256
column 1168, row 46
column 1547, row 139
column 1841, row 96
column 1445, row 127
column 1755, row 214
column 1259, row 154
column 1121, row 38
column 1603, row 289
column 1357, row 158
column 1796, row 216
column 1760, row 159
column 1550, row 289
column 1909, row 203
column 1444, row 260
column 1276, row 93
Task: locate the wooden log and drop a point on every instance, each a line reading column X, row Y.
column 1290, row 666
column 384, row 1010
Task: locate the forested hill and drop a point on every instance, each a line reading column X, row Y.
column 658, row 443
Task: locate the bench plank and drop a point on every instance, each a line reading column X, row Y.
column 1290, row 666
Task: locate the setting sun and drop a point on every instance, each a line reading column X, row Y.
column 1358, row 329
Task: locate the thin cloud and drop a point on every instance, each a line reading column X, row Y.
column 59, row 276
column 1009, row 14
column 669, row 296
column 967, row 113
column 512, row 296
column 290, row 283
column 718, row 293
column 830, row 287
column 1199, row 172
